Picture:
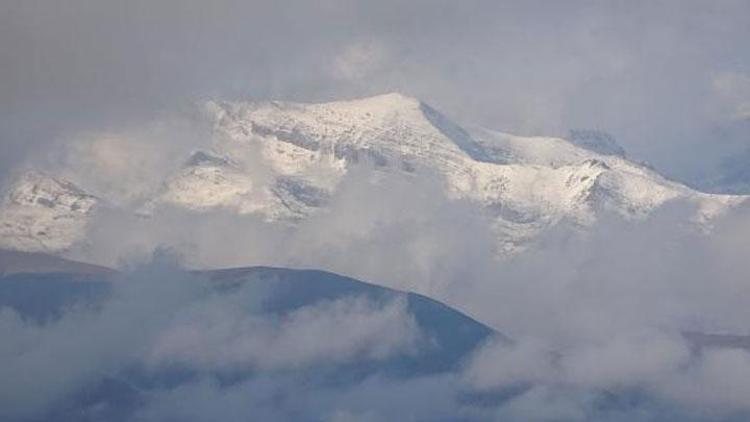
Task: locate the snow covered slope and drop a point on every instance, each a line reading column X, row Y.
column 40, row 213
column 283, row 161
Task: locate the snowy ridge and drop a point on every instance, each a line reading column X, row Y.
column 284, row 160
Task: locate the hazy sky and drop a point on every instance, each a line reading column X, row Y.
column 670, row 79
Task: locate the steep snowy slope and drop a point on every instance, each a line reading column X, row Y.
column 283, row 161
column 40, row 213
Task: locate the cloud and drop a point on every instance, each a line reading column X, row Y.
column 401, row 232
column 717, row 382
column 499, row 364
column 584, row 329
column 278, row 399
column 605, row 312
column 127, row 166
column 624, row 361
column 222, row 337
column 360, row 60
column 590, row 311
column 733, row 91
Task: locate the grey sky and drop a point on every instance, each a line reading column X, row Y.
column 670, row 79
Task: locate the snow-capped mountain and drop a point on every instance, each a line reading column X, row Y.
column 284, row 161
column 43, row 213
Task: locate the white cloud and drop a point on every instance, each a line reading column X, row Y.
column 224, row 337
column 627, row 360
column 500, row 364
column 360, row 60
column 733, row 92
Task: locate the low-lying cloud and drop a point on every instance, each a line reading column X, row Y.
column 602, row 310
column 221, row 337
column 160, row 318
